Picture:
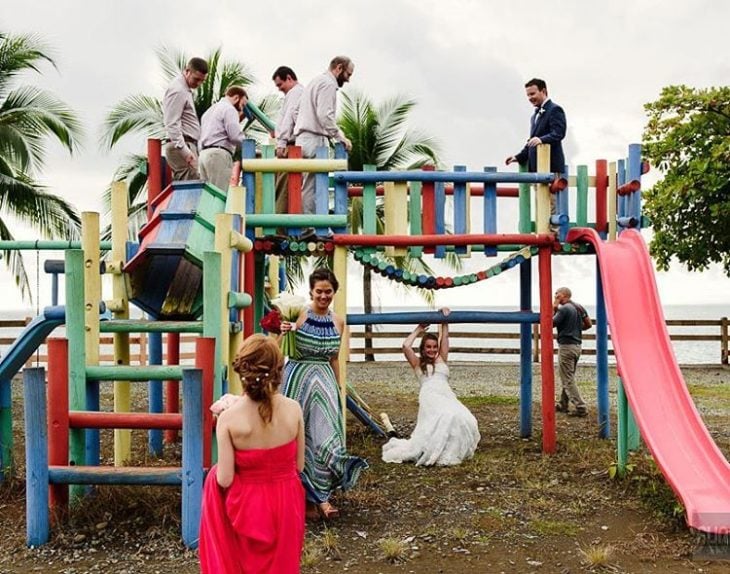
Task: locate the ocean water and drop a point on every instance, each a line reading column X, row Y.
column 687, row 352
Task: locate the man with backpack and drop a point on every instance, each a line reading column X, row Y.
column 570, row 319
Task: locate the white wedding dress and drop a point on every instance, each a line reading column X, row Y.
column 446, row 432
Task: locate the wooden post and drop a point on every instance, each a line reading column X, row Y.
column 122, row 400
column 340, row 308
column 36, row 457
column 90, row 233
column 542, row 213
column 612, row 200
column 547, row 359
column 724, row 341
column 58, row 426
column 192, row 456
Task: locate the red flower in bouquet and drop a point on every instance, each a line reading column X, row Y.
column 271, row 322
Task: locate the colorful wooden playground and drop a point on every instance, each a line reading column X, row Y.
column 201, row 266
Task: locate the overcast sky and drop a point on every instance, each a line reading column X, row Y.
column 465, row 62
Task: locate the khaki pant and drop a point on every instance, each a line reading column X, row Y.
column 181, row 171
column 568, row 356
column 309, row 144
column 215, row 167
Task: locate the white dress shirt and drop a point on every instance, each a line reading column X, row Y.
column 288, row 116
column 220, row 127
column 318, row 108
column 178, row 114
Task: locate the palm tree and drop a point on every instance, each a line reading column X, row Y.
column 28, row 117
column 142, row 115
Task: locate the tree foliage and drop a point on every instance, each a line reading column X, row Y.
column 29, row 117
column 687, row 138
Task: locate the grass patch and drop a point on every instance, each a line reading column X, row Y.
column 597, row 556
column 719, row 391
column 554, row 527
column 393, row 549
column 489, row 400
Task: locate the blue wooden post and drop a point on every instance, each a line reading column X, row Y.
column 526, row 350
column 192, row 455
column 634, row 174
column 322, row 187
column 460, row 209
column 6, row 429
column 602, row 400
column 154, row 436
column 93, row 456
column 490, row 212
column 341, row 200
column 36, row 457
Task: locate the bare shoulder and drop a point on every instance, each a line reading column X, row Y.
column 287, row 403
column 338, row 321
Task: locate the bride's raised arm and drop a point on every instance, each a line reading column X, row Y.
column 407, row 345
column 444, row 336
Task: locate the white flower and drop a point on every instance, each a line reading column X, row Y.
column 289, row 305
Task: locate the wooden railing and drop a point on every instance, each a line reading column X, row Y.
column 495, row 343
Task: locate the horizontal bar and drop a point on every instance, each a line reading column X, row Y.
column 163, row 476
column 445, row 176
column 435, row 240
column 295, row 220
column 238, row 300
column 48, row 245
column 103, row 420
column 414, row 317
column 129, row 373
column 475, row 190
column 142, row 326
column 293, row 165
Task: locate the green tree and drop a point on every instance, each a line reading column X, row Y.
column 381, row 137
column 141, row 115
column 687, row 138
column 29, row 117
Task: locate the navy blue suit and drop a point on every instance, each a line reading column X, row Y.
column 550, row 126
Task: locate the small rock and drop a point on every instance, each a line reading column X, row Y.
column 79, row 538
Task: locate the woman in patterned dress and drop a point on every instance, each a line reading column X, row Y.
column 313, row 379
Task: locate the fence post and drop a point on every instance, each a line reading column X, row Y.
column 536, row 343
column 724, row 341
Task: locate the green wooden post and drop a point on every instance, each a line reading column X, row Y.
column 525, row 223
column 633, row 436
column 212, row 318
column 369, row 194
column 415, row 210
column 622, row 450
column 581, row 212
column 77, row 357
column 269, row 188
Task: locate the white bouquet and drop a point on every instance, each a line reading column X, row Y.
column 290, row 307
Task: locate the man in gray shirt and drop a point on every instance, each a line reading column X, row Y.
column 181, row 121
column 285, row 80
column 316, row 125
column 220, row 135
column 569, row 323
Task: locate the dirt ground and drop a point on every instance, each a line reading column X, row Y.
column 509, row 509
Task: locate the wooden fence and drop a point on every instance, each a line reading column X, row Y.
column 386, row 345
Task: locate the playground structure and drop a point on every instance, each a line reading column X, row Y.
column 201, row 267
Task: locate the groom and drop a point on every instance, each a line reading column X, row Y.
column 547, row 126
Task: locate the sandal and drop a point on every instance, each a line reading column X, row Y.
column 328, row 511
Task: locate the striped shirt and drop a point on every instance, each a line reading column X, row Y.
column 318, row 107
column 178, row 114
column 288, row 116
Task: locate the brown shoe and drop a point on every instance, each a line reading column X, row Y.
column 579, row 413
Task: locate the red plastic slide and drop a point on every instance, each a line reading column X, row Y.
column 671, row 426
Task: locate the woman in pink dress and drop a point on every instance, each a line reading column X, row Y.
column 253, row 500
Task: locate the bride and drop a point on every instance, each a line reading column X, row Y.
column 446, row 432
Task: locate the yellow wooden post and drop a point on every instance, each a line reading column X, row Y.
column 236, row 205
column 122, row 400
column 612, row 200
column 223, row 229
column 90, row 234
column 340, row 308
column 542, row 212
column 396, row 214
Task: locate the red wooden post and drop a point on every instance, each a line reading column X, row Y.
column 58, row 404
column 204, row 359
column 172, row 387
column 428, row 203
column 546, row 351
column 294, row 185
column 601, row 196
column 154, row 172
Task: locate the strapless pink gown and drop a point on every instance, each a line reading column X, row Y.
column 257, row 524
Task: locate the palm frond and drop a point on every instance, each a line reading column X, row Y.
column 134, row 114
column 14, row 262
